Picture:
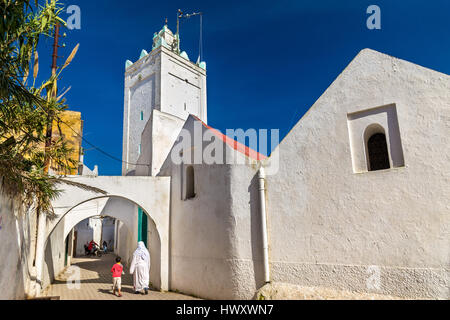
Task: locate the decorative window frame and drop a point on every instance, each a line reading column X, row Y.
column 363, row 124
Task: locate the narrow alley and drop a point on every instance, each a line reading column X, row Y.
column 96, row 283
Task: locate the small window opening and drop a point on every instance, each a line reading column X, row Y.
column 190, row 182
column 378, row 152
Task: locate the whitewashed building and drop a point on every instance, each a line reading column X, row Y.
column 353, row 198
column 360, row 182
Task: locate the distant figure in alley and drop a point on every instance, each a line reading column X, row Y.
column 140, row 268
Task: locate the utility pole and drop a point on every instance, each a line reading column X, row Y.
column 54, row 90
column 40, row 214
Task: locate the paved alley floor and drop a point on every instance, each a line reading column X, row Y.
column 96, row 283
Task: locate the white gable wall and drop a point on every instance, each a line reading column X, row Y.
column 328, row 224
column 330, row 220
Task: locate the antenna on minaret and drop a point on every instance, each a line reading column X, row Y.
column 181, row 15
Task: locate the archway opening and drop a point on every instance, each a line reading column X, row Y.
column 101, row 230
column 128, row 223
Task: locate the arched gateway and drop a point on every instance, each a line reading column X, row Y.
column 152, row 194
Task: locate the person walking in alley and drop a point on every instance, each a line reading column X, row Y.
column 117, row 271
column 140, row 268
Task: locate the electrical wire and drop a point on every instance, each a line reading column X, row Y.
column 102, row 151
column 94, row 146
column 106, row 153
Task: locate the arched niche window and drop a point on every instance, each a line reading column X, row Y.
column 190, row 182
column 377, row 153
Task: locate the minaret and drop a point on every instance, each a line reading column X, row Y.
column 161, row 89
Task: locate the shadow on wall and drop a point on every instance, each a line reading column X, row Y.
column 256, row 236
column 14, row 238
column 54, row 256
column 48, row 270
column 154, row 247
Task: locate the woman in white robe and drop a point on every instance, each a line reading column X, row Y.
column 140, row 268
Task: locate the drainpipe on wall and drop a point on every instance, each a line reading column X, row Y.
column 262, row 209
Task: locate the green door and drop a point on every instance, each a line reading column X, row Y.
column 142, row 226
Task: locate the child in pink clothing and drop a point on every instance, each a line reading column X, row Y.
column 117, row 271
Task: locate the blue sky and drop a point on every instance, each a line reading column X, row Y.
column 267, row 61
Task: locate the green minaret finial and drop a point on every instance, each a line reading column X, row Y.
column 143, row 54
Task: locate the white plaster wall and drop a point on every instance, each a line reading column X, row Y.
column 126, row 212
column 199, row 240
column 246, row 234
column 108, row 225
column 145, row 157
column 328, row 224
column 71, row 249
column 152, row 245
column 122, row 248
column 220, row 230
column 17, row 229
column 83, row 211
column 216, row 236
column 54, row 256
column 96, row 225
column 142, row 92
column 203, row 236
column 183, row 87
column 84, row 235
column 157, row 140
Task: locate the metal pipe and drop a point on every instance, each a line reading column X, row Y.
column 262, row 207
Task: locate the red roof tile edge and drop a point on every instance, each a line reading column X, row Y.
column 233, row 143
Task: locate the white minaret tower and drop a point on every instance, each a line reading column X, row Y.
column 161, row 89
